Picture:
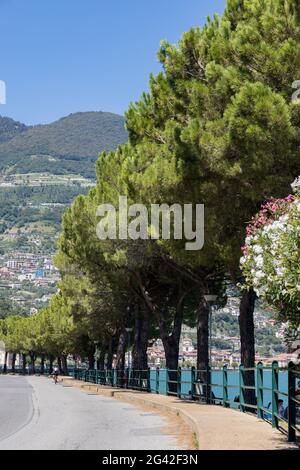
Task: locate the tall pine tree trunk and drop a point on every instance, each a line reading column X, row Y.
column 203, row 344
column 24, row 363
column 141, row 337
column 171, row 342
column 50, row 364
column 64, row 364
column 91, row 360
column 42, row 364
column 139, row 366
column 110, row 354
column 32, row 359
column 100, row 361
column 120, row 362
column 5, row 362
column 59, row 365
column 13, row 362
column 246, row 323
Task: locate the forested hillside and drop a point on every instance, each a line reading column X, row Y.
column 10, row 128
column 44, row 167
column 69, row 145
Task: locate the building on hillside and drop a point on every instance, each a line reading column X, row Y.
column 190, row 357
column 283, row 359
column 187, row 345
column 12, row 264
column 39, row 273
column 4, row 272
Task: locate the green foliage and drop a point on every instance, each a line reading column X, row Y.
column 10, row 128
column 21, row 206
column 9, row 308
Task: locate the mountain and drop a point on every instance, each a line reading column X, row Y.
column 10, row 128
column 69, row 145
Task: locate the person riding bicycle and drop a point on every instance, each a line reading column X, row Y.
column 55, row 374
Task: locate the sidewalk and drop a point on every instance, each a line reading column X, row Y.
column 215, row 427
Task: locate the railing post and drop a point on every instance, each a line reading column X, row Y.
column 157, row 380
column 260, row 390
column 127, row 375
column 291, row 403
column 242, row 387
column 208, row 385
column 149, row 380
column 193, row 380
column 275, row 394
column 179, row 382
column 225, row 387
column 167, row 381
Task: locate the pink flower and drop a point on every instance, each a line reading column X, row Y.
column 270, row 211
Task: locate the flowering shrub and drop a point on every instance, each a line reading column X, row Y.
column 271, row 255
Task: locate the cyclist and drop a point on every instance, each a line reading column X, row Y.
column 55, row 375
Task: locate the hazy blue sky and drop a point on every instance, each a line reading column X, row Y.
column 63, row 56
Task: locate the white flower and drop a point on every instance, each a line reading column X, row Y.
column 248, row 240
column 296, row 183
column 259, row 261
column 257, row 249
column 259, row 274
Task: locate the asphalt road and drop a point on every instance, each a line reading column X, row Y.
column 37, row 414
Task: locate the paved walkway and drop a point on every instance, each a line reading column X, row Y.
column 215, row 427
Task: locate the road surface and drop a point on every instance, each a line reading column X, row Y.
column 37, row 414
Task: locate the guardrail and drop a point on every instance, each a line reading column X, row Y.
column 247, row 389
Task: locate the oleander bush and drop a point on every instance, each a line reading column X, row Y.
column 271, row 255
